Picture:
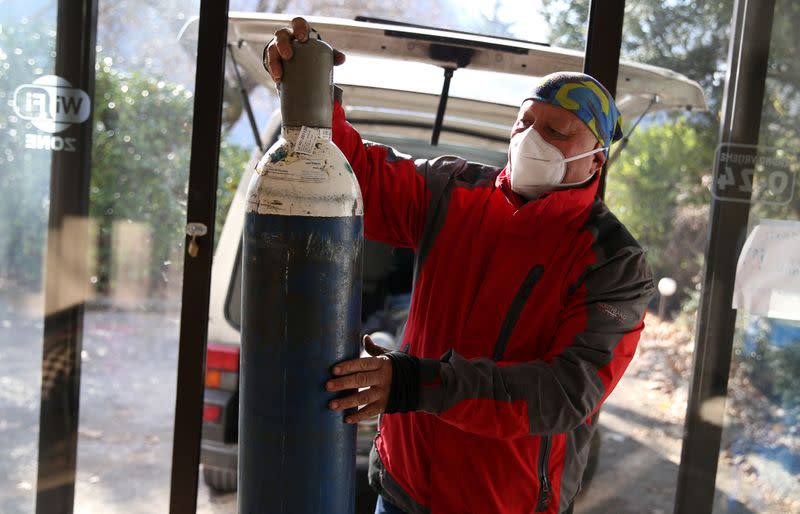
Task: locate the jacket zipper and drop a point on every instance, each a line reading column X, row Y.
column 544, row 480
column 514, row 311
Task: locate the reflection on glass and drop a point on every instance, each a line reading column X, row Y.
column 26, row 55
column 658, row 186
column 142, row 120
column 760, row 458
column 759, row 464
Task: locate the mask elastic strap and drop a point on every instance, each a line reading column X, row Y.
column 584, row 154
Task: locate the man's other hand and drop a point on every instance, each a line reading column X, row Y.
column 280, row 48
column 372, row 374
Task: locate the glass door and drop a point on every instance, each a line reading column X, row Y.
column 92, row 253
column 27, row 46
column 759, row 459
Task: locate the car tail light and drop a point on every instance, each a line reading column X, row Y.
column 222, row 357
column 213, row 378
column 211, row 413
column 222, row 367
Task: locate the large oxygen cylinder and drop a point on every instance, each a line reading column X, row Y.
column 301, row 305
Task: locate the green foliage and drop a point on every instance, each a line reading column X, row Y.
column 658, row 188
column 141, row 165
column 686, row 36
column 140, row 170
column 780, row 125
column 24, row 174
column 232, row 162
column 567, row 21
column 140, row 162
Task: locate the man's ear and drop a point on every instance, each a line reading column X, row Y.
column 600, row 158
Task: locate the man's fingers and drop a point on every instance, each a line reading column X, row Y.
column 354, row 400
column 338, row 57
column 281, row 48
column 371, row 410
column 357, row 380
column 372, row 348
column 300, row 28
column 356, row 365
column 273, row 64
column 283, row 42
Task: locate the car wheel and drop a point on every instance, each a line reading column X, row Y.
column 221, row 480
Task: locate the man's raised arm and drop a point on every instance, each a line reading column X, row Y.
column 394, row 189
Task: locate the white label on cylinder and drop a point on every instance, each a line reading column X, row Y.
column 291, row 184
column 306, row 141
column 307, row 170
column 286, row 164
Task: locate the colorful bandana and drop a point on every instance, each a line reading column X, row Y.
column 584, row 96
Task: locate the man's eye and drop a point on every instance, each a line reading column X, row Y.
column 556, row 132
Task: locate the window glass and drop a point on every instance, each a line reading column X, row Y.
column 658, row 186
column 27, row 54
column 759, row 463
column 142, row 120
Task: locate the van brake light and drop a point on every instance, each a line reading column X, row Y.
column 222, row 357
column 211, row 413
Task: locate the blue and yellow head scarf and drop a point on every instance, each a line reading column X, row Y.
column 585, row 97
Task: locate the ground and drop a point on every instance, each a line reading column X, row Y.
column 129, row 364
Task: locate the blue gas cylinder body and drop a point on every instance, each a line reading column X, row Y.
column 301, row 310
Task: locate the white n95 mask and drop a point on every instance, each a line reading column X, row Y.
column 537, row 166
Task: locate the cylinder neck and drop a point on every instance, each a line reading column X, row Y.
column 306, row 88
column 290, row 133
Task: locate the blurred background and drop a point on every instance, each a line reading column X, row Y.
column 658, row 186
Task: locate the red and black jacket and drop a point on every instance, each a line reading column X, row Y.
column 524, row 316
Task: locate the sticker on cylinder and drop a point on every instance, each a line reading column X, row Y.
column 286, row 164
column 297, row 170
column 306, row 141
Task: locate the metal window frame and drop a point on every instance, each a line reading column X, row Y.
column 751, row 30
column 63, row 325
column 64, row 296
column 601, row 56
column 748, row 56
column 201, row 208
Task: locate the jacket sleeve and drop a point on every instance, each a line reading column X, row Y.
column 594, row 342
column 393, row 187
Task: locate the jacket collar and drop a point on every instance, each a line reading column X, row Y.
column 564, row 204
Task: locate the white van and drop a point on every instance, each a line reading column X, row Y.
column 392, row 83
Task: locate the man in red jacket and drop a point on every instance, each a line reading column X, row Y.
column 528, row 301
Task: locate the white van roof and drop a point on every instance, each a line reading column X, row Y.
column 499, row 69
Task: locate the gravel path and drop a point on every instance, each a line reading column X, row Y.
column 127, row 402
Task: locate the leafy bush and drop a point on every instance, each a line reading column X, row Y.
column 140, row 169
